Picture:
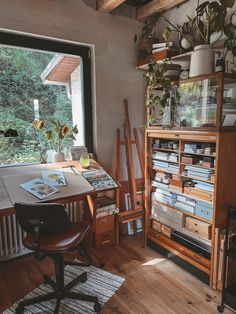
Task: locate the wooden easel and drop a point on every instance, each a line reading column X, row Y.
column 136, row 212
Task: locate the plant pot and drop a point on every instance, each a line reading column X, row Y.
column 172, row 71
column 202, row 61
column 58, row 157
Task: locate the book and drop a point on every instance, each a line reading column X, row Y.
column 161, row 45
column 53, row 177
column 99, row 179
column 162, row 49
column 38, row 188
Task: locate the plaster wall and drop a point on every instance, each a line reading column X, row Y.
column 115, row 76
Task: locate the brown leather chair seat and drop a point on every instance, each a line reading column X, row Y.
column 60, row 243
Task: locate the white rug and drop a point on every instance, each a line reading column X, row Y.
column 100, row 283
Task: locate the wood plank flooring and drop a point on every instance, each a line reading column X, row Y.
column 153, row 284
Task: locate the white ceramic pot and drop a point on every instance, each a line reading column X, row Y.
column 202, row 61
column 58, row 157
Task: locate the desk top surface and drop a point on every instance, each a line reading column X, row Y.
column 11, row 177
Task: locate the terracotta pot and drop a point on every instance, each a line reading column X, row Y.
column 202, row 61
column 172, row 71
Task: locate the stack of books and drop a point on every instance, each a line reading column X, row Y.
column 198, row 173
column 105, row 207
column 165, row 166
column 208, row 187
column 161, row 155
column 162, row 46
column 163, row 196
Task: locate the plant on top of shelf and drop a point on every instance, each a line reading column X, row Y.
column 230, row 41
column 210, row 18
column 148, row 36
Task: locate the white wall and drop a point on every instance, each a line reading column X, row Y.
column 115, row 58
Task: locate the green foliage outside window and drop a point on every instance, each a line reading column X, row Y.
column 20, row 84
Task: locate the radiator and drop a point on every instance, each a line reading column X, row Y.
column 11, row 235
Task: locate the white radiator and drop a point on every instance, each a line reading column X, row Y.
column 11, row 235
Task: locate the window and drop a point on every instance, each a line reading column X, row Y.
column 48, row 85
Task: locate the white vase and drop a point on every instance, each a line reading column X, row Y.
column 202, row 61
column 58, row 157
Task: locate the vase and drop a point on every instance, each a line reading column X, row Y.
column 58, row 157
column 202, row 61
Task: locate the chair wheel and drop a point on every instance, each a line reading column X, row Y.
column 220, row 308
column 19, row 309
column 97, row 307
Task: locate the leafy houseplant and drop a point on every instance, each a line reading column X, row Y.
column 210, row 18
column 157, row 81
column 56, row 134
column 230, row 41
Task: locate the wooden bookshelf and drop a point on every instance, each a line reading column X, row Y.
column 224, row 183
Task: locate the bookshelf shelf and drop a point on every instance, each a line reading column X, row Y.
column 185, row 212
column 196, row 166
column 165, row 150
column 203, row 155
column 180, row 250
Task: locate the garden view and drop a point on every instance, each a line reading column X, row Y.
column 20, row 87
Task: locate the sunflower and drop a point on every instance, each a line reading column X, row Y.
column 64, row 130
column 38, row 124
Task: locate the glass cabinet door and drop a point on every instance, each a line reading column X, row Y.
column 196, row 104
column 229, row 103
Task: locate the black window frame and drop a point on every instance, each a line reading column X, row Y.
column 60, row 46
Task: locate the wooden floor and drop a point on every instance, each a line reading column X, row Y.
column 153, row 284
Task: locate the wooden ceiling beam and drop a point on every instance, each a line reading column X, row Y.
column 156, row 6
column 108, row 5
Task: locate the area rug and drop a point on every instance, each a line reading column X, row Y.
column 100, row 283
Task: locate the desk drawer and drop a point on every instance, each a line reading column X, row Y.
column 105, row 224
column 104, row 239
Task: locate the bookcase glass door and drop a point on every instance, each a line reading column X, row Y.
column 229, row 103
column 196, row 104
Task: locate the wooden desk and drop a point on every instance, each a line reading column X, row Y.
column 77, row 188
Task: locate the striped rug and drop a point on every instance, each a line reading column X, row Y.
column 100, row 283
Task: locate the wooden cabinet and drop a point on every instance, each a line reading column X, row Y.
column 190, row 178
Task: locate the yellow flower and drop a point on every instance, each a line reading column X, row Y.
column 38, row 124
column 64, row 130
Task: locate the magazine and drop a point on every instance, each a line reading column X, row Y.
column 99, row 179
column 38, row 188
column 53, row 177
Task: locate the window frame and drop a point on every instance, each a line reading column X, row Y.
column 59, row 46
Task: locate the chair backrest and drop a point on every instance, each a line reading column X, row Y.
column 55, row 218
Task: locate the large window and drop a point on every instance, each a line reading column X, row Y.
column 43, row 85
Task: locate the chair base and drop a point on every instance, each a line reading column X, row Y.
column 61, row 293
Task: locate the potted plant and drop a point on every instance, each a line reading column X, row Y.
column 230, row 42
column 148, row 37
column 210, row 18
column 159, row 92
column 56, row 135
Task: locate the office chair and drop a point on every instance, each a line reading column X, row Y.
column 50, row 233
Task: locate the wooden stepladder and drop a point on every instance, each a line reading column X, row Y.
column 136, row 211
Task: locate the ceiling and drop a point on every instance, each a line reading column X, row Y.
column 137, row 3
column 145, row 8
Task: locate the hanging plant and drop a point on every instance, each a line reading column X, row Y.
column 159, row 89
